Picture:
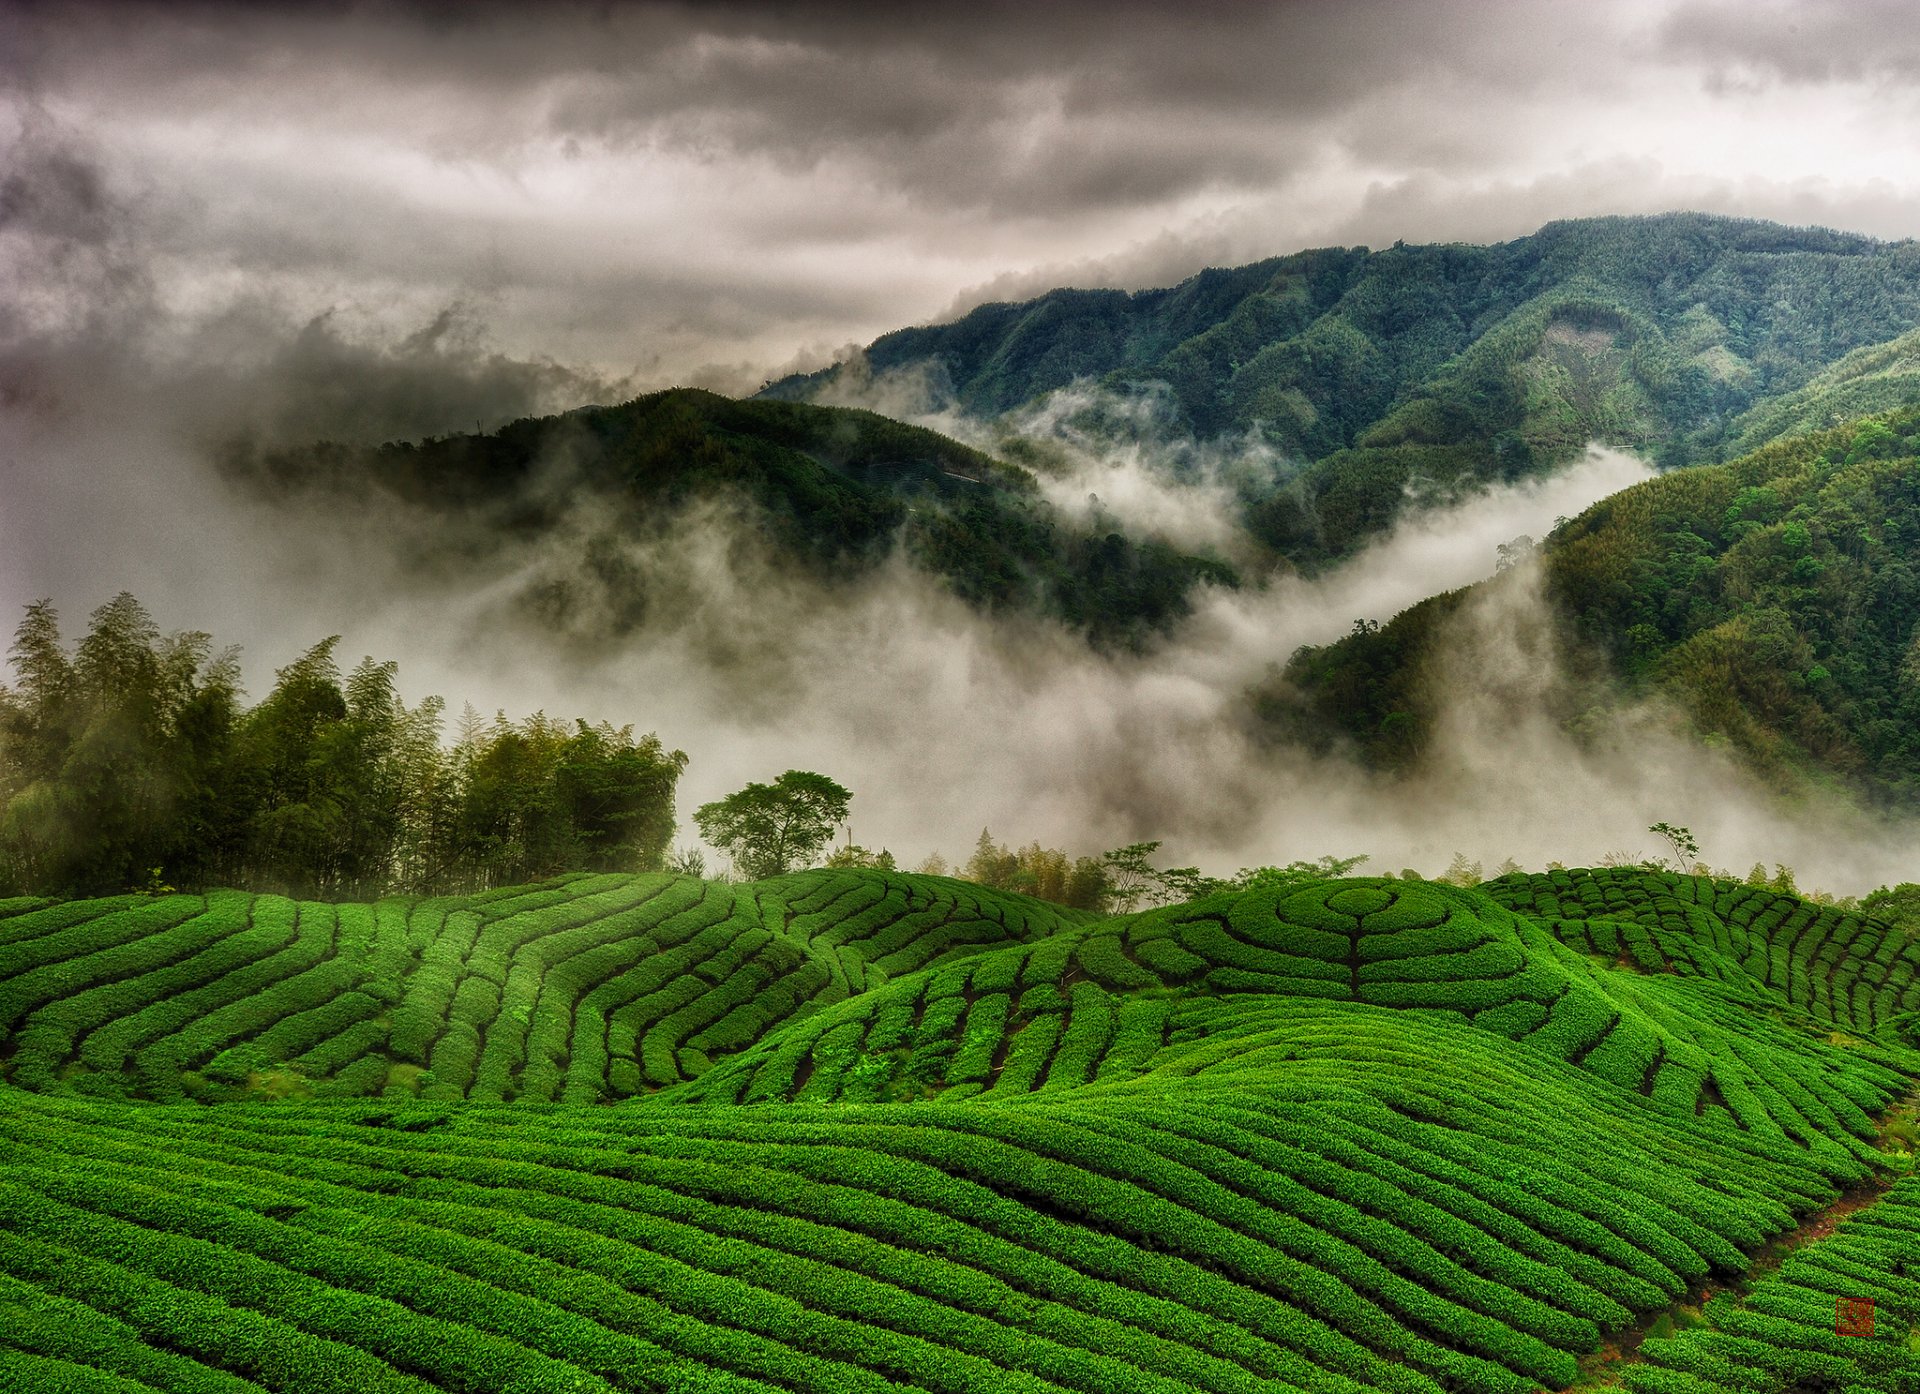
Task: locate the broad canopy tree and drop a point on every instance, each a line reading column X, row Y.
column 771, row 829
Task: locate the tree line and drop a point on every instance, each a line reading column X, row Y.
column 1120, row 881
column 133, row 761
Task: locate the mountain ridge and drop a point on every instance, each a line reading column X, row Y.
column 1447, row 366
column 834, row 489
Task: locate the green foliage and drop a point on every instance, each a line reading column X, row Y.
column 1773, row 599
column 853, row 855
column 1867, row 381
column 1312, row 1134
column 1130, row 876
column 771, row 829
column 1079, row 883
column 1418, row 372
column 687, row 861
column 1897, row 905
column 1784, row 1334
column 133, row 763
column 1686, row 849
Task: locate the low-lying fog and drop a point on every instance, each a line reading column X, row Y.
column 940, row 721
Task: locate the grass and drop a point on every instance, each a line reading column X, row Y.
column 863, row 1131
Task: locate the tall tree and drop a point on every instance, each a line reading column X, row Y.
column 105, row 757
column 771, row 829
column 133, row 761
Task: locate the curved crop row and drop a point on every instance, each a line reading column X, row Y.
column 899, row 1132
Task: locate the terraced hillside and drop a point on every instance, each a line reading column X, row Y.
column 875, row 1131
column 583, row 988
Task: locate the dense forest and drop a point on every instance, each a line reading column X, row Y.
column 1774, row 599
column 1371, row 382
column 133, row 761
column 835, row 490
column 1413, row 370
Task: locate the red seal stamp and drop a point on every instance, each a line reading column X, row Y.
column 1853, row 1316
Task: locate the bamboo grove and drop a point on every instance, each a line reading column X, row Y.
column 133, row 761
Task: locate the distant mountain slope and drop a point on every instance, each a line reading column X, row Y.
column 1430, row 366
column 1353, row 1135
column 834, row 488
column 1774, row 598
column 1878, row 378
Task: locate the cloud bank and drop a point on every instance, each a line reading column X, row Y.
column 943, row 722
column 671, row 192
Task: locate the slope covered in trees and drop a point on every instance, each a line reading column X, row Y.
column 834, row 489
column 1773, row 599
column 886, row 1131
column 131, row 760
column 1426, row 367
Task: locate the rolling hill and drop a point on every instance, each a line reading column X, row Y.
column 863, row 1131
column 1413, row 370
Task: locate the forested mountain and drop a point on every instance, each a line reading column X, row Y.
column 1874, row 379
column 1775, row 599
column 1384, row 379
column 1425, row 367
column 834, row 488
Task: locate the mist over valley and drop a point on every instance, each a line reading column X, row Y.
column 833, row 698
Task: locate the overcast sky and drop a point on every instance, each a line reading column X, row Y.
column 379, row 221
column 678, row 193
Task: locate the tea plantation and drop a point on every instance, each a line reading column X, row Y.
column 855, row 1131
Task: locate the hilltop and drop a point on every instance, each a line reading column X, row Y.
column 832, row 489
column 1419, row 370
column 862, row 1131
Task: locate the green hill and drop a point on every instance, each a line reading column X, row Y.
column 833, row 489
column 1773, row 599
column 1421, row 368
column 1868, row 381
column 865, row 1131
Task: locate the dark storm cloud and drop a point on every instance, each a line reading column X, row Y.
column 684, row 191
column 86, row 319
column 1797, row 41
column 1012, row 108
column 1044, row 109
column 55, row 193
column 73, row 290
column 681, row 192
